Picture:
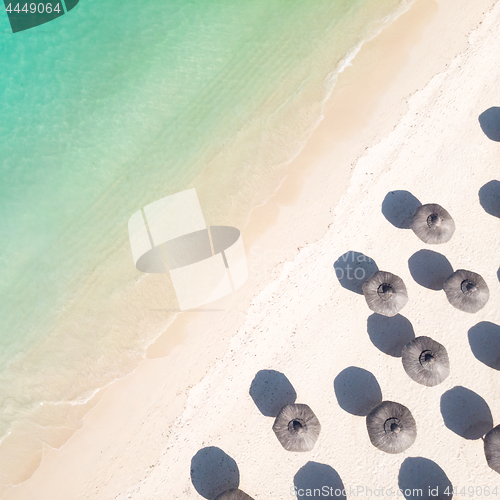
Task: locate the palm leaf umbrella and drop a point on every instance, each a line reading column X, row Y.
column 466, row 291
column 492, row 448
column 297, row 427
column 385, row 293
column 426, row 361
column 234, row 494
column 432, row 224
column 391, row 427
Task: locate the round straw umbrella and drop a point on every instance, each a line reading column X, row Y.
column 492, row 448
column 385, row 293
column 426, row 361
column 297, row 427
column 466, row 291
column 391, row 427
column 432, row 224
column 234, row 494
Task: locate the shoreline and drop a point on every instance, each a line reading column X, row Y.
column 106, row 306
column 300, row 187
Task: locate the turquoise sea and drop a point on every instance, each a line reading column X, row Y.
column 106, row 109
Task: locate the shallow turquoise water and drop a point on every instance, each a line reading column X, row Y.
column 110, row 107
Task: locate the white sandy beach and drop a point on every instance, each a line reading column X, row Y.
column 403, row 117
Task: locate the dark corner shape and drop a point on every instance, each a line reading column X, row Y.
column 423, row 479
column 429, row 269
column 398, row 208
column 489, row 197
column 70, row 4
column 484, row 341
column 270, row 391
column 390, row 334
column 41, row 13
column 353, row 269
column 357, row 391
column 213, row 472
column 466, row 413
column 320, row 477
column 490, row 123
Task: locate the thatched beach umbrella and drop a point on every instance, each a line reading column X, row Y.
column 297, row 427
column 426, row 361
column 385, row 293
column 466, row 291
column 492, row 448
column 391, row 427
column 234, row 494
column 432, row 224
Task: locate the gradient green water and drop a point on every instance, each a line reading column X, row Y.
column 112, row 106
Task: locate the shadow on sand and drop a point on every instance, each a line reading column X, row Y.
column 489, row 197
column 390, row 334
column 213, row 472
column 316, row 476
column 484, row 341
column 398, row 208
column 430, row 269
column 466, row 413
column 353, row 269
column 490, row 123
column 357, row 391
column 423, row 479
column 270, row 391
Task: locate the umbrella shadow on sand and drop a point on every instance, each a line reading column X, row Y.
column 489, row 197
column 466, row 413
column 390, row 334
column 398, row 208
column 429, row 269
column 423, row 479
column 213, row 471
column 489, row 121
column 271, row 391
column 353, row 269
column 484, row 341
column 320, row 477
column 357, row 391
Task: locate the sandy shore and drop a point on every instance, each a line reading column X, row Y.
column 403, row 117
